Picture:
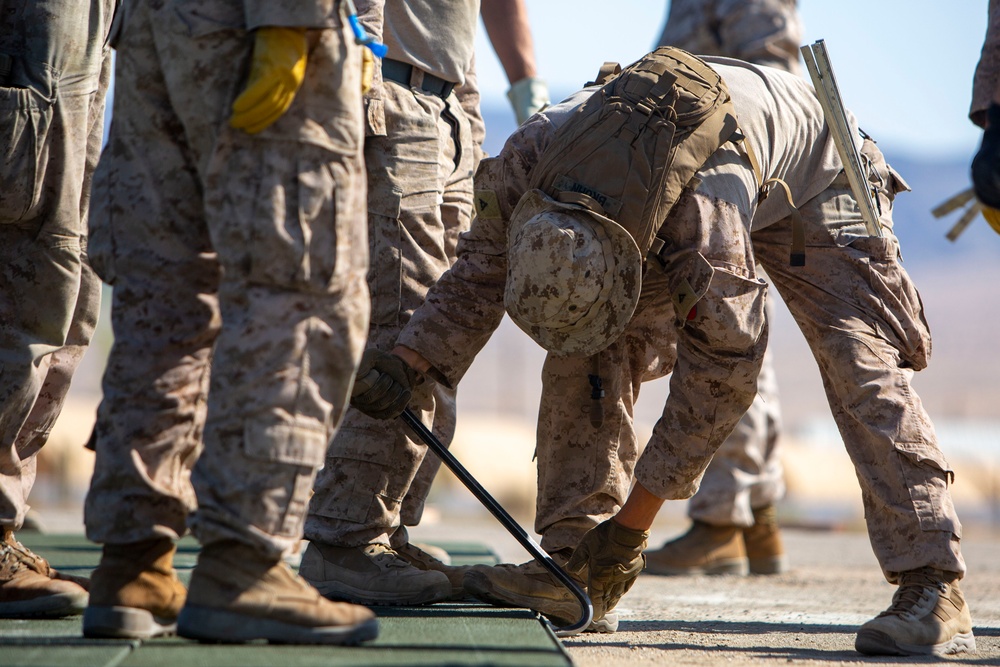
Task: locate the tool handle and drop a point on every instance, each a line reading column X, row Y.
column 507, row 521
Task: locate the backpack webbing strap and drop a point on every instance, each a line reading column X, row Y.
column 798, row 256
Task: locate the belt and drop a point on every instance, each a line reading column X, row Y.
column 400, row 72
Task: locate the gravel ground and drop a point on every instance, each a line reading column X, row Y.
column 807, row 616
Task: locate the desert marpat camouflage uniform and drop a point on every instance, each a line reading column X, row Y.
column 746, row 472
column 420, row 158
column 55, row 65
column 855, row 304
column 238, row 262
column 763, row 32
column 988, row 69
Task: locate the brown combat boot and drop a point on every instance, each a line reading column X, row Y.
column 928, row 616
column 238, row 595
column 704, row 549
column 29, row 588
column 135, row 592
column 420, row 558
column 765, row 552
column 531, row 586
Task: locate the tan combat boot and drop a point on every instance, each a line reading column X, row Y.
column 29, row 588
column 928, row 616
column 373, row 575
column 531, row 586
column 135, row 592
column 420, row 558
column 765, row 551
column 704, row 549
column 238, row 595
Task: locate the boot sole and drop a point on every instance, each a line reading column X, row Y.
column 125, row 623
column 50, row 606
column 739, row 567
column 874, row 642
column 769, row 565
column 217, row 626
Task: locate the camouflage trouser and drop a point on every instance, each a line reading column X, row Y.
column 243, row 253
column 863, row 319
column 763, row 32
column 54, row 71
column 746, row 471
column 420, row 196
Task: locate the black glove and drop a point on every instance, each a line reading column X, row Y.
column 986, row 164
column 608, row 560
column 384, row 384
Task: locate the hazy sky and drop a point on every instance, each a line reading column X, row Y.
column 904, row 66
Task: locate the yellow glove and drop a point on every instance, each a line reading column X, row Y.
column 992, row 216
column 277, row 70
column 367, row 70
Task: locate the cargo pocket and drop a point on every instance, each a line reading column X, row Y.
column 387, row 235
column 731, row 317
column 927, row 477
column 293, row 453
column 286, row 229
column 899, row 309
column 25, row 118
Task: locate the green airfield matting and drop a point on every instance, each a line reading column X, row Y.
column 442, row 634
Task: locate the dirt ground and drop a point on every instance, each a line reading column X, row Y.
column 807, row 616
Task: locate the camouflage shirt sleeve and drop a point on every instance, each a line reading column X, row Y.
column 987, row 76
column 466, row 306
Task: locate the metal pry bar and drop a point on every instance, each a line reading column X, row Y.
column 821, row 72
column 495, row 508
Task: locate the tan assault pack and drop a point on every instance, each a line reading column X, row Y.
column 636, row 142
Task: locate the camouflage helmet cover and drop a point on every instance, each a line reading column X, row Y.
column 573, row 275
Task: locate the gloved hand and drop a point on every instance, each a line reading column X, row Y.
column 528, row 96
column 986, row 164
column 276, row 72
column 367, row 70
column 608, row 560
column 384, row 384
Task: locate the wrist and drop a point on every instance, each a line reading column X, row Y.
column 413, row 359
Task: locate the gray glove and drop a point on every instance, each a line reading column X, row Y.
column 608, row 560
column 527, row 97
column 384, row 384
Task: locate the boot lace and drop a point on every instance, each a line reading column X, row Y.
column 917, row 596
column 386, row 557
column 14, row 556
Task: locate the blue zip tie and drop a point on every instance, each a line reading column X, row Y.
column 360, row 37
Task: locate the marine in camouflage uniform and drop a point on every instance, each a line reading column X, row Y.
column 239, row 309
column 734, row 526
column 55, row 65
column 420, row 157
column 853, row 301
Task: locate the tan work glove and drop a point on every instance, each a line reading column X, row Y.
column 608, row 560
column 276, row 73
column 527, row 97
column 384, row 384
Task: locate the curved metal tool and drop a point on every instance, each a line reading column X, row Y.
column 508, row 522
